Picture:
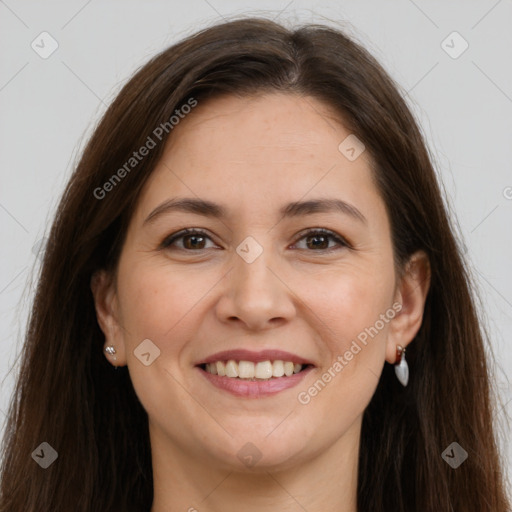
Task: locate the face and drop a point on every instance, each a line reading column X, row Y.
column 263, row 276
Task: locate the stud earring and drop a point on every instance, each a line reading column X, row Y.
column 401, row 366
column 111, row 351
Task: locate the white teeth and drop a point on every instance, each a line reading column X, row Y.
column 278, row 369
column 246, row 369
column 264, row 370
column 221, row 369
column 231, row 369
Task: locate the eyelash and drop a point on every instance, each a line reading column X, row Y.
column 313, row 231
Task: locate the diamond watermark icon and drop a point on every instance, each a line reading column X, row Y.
column 249, row 455
column 454, row 45
column 454, row 455
column 146, row 352
column 249, row 249
column 44, row 45
column 44, row 455
column 351, row 147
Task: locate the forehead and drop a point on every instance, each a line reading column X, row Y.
column 273, row 124
column 257, row 151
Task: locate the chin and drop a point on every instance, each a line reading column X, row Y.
column 258, row 451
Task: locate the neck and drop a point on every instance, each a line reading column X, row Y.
column 185, row 483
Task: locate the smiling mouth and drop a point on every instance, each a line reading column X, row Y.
column 250, row 371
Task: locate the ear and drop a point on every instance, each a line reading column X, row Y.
column 106, row 305
column 411, row 293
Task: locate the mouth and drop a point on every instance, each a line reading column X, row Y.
column 250, row 371
column 254, row 374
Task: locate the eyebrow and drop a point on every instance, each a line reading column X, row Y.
column 294, row 209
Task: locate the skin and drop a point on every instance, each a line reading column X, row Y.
column 254, row 155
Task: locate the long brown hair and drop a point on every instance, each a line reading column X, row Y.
column 69, row 396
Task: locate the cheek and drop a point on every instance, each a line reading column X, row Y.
column 158, row 300
column 349, row 306
column 161, row 305
column 348, row 303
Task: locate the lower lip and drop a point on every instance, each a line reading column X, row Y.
column 255, row 388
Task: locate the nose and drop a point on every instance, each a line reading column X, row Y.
column 256, row 295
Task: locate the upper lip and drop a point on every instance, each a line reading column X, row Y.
column 255, row 357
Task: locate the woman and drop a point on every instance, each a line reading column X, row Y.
column 254, row 230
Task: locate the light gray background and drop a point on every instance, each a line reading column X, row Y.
column 464, row 105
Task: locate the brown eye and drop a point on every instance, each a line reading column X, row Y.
column 318, row 240
column 190, row 240
column 193, row 241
